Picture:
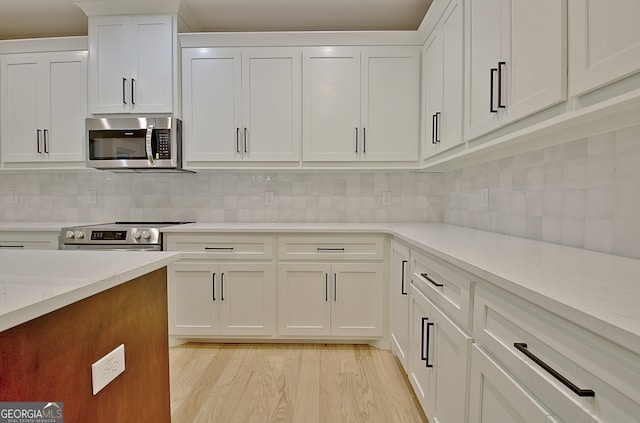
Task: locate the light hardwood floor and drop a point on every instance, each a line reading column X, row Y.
column 299, row 383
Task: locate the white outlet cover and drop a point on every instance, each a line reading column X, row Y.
column 386, row 198
column 107, row 368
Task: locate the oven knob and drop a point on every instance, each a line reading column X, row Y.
column 146, row 234
column 70, row 234
column 136, row 235
column 79, row 234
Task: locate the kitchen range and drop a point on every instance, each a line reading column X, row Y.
column 121, row 236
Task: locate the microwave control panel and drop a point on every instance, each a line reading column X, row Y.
column 163, row 151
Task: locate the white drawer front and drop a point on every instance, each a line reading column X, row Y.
column 448, row 287
column 331, row 247
column 223, row 247
column 533, row 344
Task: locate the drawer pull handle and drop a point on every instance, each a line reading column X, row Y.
column 403, row 291
column 218, row 248
column 222, row 287
column 522, row 347
column 434, row 283
column 11, row 246
column 213, row 286
column 424, row 349
column 326, row 287
column 330, row 250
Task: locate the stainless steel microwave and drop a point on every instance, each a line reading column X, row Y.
column 134, row 144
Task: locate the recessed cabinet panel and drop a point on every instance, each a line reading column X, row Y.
column 192, row 307
column 604, row 40
column 399, row 301
column 109, row 61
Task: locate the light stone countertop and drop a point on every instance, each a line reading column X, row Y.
column 36, row 282
column 37, row 226
column 600, row 292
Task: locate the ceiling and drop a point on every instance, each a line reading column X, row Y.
column 52, row 18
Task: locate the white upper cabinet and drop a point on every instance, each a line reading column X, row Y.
column 442, row 83
column 44, row 104
column 516, row 61
column 360, row 104
column 131, row 64
column 242, row 104
column 604, row 39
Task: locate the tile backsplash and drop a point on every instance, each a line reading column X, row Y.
column 221, row 197
column 583, row 193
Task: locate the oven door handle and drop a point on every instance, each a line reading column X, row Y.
column 148, row 143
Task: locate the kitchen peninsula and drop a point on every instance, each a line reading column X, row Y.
column 61, row 311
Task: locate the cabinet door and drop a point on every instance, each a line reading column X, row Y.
column 109, row 52
column 21, row 95
column 536, row 68
column 400, row 302
column 271, row 102
column 356, row 303
column 485, row 33
column 66, row 94
column 212, row 104
column 450, row 121
column 331, row 104
column 246, row 299
column 304, row 293
column 194, row 298
column 433, row 74
column 604, row 40
column 497, row 397
column 451, row 358
column 390, row 104
column 151, row 64
column 422, row 374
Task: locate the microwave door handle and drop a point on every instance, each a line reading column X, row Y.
column 148, row 144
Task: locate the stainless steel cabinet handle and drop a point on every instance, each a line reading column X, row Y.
column 434, row 283
column 46, row 141
column 124, row 88
column 38, row 140
column 132, row 91
column 402, row 290
column 148, row 146
column 522, row 347
column 213, row 283
column 500, row 67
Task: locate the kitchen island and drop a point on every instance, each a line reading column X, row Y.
column 61, row 311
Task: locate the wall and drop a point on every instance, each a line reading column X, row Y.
column 221, row 197
column 584, row 193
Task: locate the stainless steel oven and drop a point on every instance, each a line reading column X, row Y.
column 121, row 236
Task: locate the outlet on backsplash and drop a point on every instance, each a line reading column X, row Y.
column 14, row 198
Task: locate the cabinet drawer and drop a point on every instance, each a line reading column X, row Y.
column 224, row 247
column 28, row 241
column 446, row 286
column 533, row 344
column 331, row 248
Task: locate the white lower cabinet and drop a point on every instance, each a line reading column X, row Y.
column 399, row 302
column 209, row 298
column 17, row 240
column 439, row 361
column 497, row 397
column 331, row 299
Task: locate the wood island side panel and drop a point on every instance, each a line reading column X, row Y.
column 50, row 358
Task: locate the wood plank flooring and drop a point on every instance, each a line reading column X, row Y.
column 298, row 383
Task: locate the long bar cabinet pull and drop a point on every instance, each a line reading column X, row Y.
column 246, row 151
column 423, row 356
column 11, row 246
column 238, row 140
column 402, row 290
column 133, row 81
column 221, row 286
column 335, row 287
column 218, row 248
column 39, row 140
column 124, row 88
column 433, row 129
column 438, row 128
column 434, row 283
column 364, row 140
column 500, row 67
column 356, row 140
column 330, row 249
column 426, row 359
column 522, row 347
column 46, row 140
column 491, row 89
column 326, row 287
column 213, row 285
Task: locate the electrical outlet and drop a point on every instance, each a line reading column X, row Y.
column 107, row 368
column 386, row 198
column 14, row 198
column 93, row 197
column 484, row 198
column 269, row 198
